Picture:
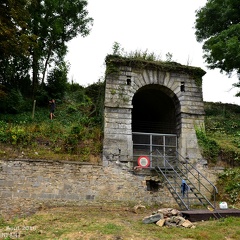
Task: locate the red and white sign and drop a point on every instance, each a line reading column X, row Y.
column 143, row 161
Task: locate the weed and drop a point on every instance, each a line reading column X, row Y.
column 210, row 149
column 230, row 179
column 111, row 228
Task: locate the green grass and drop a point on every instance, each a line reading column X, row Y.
column 114, row 223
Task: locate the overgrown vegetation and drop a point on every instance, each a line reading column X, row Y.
column 229, row 185
column 220, row 140
column 145, row 59
column 220, row 146
column 75, row 133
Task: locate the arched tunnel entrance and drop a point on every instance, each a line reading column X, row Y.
column 153, row 125
column 153, row 111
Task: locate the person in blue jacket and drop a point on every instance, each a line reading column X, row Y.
column 184, row 188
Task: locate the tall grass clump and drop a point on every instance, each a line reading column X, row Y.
column 229, row 183
column 210, row 149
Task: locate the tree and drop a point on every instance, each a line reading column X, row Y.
column 57, row 81
column 14, row 36
column 15, row 43
column 55, row 23
column 35, row 32
column 218, row 26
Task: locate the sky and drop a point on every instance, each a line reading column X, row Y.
column 158, row 26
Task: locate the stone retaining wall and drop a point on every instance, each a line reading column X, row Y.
column 27, row 185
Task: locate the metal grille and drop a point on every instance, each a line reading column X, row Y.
column 146, row 144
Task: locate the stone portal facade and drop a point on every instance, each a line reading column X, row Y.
column 125, row 78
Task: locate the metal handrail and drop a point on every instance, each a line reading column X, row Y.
column 200, row 175
column 166, row 162
column 179, row 197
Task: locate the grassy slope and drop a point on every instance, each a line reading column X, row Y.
column 222, row 123
column 75, row 134
column 220, row 144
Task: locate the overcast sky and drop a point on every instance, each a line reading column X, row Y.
column 159, row 26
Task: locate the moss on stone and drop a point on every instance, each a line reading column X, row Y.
column 114, row 61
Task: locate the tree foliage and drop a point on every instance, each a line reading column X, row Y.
column 55, row 23
column 15, row 38
column 33, row 37
column 218, row 25
column 57, row 81
column 15, row 44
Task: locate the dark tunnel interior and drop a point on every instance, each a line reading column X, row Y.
column 153, row 111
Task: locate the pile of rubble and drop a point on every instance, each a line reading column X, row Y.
column 168, row 217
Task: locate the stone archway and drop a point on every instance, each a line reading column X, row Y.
column 128, row 82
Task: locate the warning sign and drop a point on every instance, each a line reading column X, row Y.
column 143, row 161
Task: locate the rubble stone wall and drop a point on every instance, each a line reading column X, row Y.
column 27, row 185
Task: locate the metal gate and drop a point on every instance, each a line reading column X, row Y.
column 147, row 144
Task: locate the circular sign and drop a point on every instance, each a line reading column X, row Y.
column 143, row 161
